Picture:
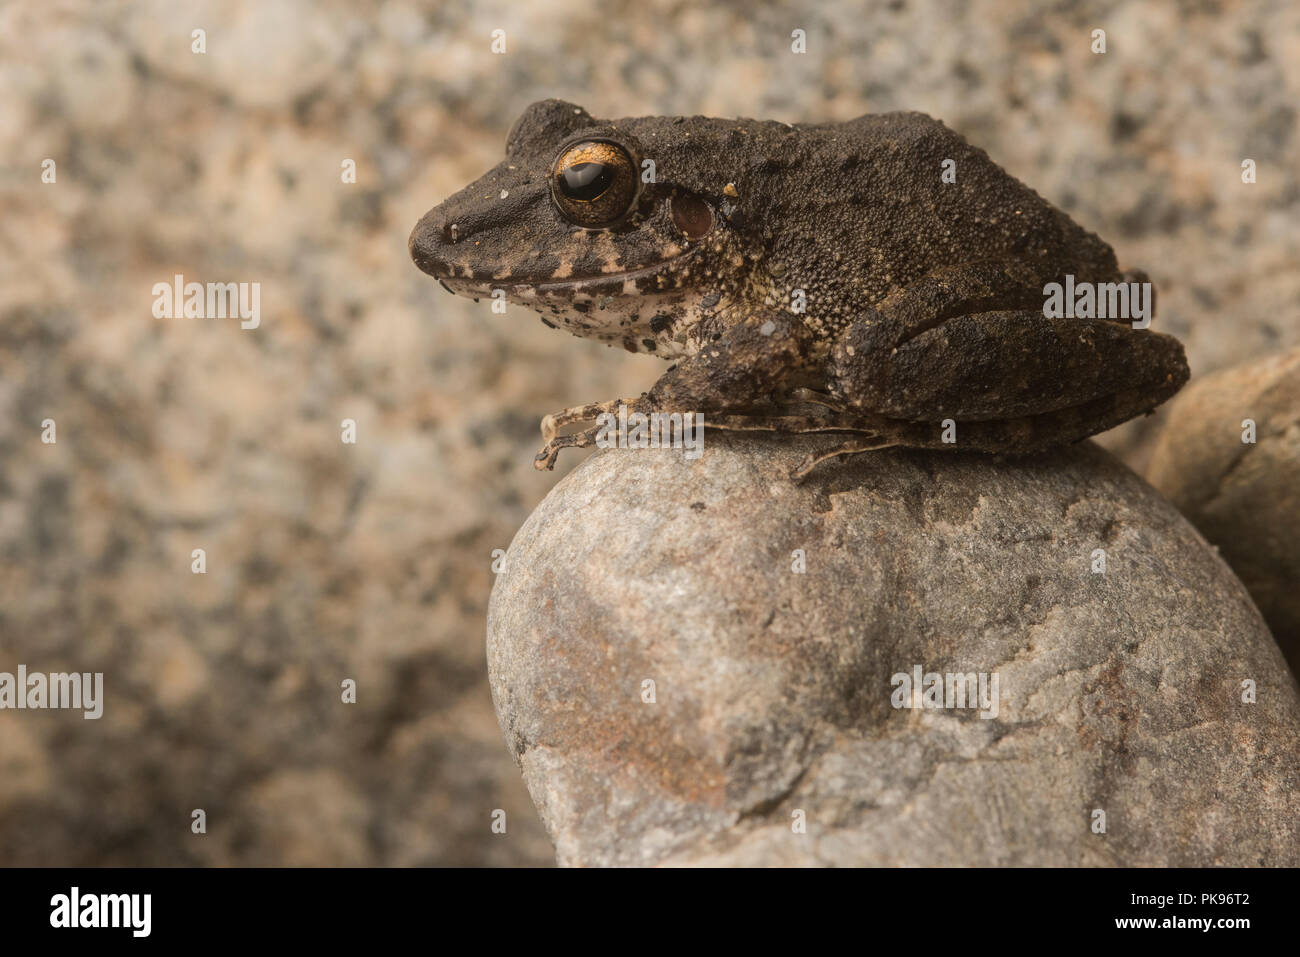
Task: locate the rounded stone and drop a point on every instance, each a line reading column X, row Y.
column 694, row 663
column 1243, row 495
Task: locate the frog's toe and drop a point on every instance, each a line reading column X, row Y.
column 549, row 427
column 545, row 459
column 863, row 443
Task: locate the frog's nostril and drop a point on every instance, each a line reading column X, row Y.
column 450, row 233
column 428, row 247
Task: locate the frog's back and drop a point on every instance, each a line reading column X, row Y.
column 873, row 188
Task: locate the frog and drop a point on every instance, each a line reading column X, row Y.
column 880, row 279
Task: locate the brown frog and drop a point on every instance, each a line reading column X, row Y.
column 879, row 278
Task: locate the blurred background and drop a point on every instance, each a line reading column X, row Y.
column 371, row 561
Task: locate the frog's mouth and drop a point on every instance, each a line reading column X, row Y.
column 650, row 278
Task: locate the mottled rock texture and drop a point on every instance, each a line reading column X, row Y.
column 1243, row 496
column 1119, row 692
column 372, row 561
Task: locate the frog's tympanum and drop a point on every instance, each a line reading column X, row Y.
column 806, row 278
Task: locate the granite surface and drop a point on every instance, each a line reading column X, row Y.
column 371, row 561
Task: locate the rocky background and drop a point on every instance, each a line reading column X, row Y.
column 371, row 561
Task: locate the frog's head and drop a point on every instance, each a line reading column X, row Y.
column 627, row 231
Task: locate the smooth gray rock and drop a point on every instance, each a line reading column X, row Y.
column 1119, row 692
column 1243, row 496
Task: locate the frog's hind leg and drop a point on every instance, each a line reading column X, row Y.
column 821, row 399
column 1035, row 433
column 795, row 424
column 1010, row 380
column 849, row 447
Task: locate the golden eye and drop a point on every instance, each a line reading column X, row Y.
column 594, row 183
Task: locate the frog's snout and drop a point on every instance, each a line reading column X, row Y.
column 447, row 239
column 478, row 234
column 431, row 242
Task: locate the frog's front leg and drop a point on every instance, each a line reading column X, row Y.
column 551, row 424
column 545, row 458
column 740, row 375
column 867, row 433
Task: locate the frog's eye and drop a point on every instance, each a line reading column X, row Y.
column 594, row 183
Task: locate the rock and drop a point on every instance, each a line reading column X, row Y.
column 1244, row 497
column 1119, row 692
column 372, row 560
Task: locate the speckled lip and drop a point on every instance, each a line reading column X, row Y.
column 578, row 282
column 570, row 284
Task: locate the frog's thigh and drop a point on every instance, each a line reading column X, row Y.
column 1003, row 364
